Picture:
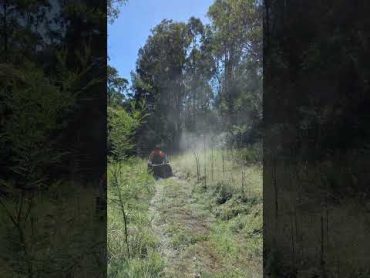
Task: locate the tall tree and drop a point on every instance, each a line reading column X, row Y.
column 198, row 72
column 237, row 40
column 159, row 81
column 113, row 9
column 116, row 87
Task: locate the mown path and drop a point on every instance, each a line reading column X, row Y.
column 182, row 226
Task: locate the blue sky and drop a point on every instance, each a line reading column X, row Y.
column 130, row 31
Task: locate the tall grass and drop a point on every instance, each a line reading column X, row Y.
column 63, row 235
column 132, row 245
column 225, row 186
column 236, row 169
column 233, row 195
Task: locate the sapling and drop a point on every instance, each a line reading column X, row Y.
column 116, row 182
column 196, row 156
column 205, row 161
column 243, row 182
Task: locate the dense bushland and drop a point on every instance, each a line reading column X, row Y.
column 52, row 80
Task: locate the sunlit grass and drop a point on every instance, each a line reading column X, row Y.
column 222, row 167
column 137, row 188
column 230, row 188
column 227, row 194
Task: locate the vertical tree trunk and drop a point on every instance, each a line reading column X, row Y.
column 116, row 184
column 275, row 190
column 322, row 259
column 5, row 29
column 205, row 161
column 212, row 164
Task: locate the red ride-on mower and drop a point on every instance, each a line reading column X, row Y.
column 158, row 164
column 162, row 170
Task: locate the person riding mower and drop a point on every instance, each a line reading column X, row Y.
column 158, row 164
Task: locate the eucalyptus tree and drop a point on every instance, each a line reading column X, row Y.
column 237, row 47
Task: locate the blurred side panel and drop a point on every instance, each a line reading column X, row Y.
column 53, row 138
column 316, row 139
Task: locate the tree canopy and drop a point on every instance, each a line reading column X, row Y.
column 202, row 78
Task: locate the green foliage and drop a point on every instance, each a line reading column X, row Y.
column 228, row 235
column 159, row 80
column 172, row 70
column 33, row 110
column 34, row 107
column 136, row 187
column 116, row 87
column 47, row 83
column 60, row 227
column 237, row 46
column 203, row 78
column 121, row 128
column 113, row 9
column 124, row 118
column 236, row 231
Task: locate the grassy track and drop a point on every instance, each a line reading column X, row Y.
column 178, row 227
column 183, row 226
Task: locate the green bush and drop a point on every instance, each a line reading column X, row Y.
column 121, row 127
column 136, row 189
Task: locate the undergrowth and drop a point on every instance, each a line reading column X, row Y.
column 224, row 187
column 63, row 233
column 230, row 188
column 141, row 258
